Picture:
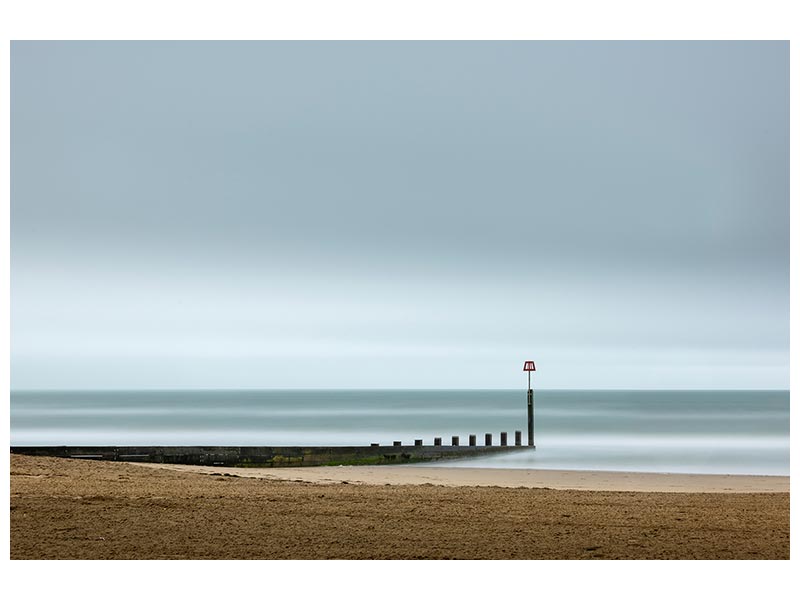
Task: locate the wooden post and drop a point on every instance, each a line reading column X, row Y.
column 488, row 439
column 437, row 441
column 473, row 439
column 518, row 438
column 418, row 442
column 503, row 438
column 455, row 440
column 530, row 416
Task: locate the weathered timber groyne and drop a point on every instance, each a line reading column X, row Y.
column 267, row 456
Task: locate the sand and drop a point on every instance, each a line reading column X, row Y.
column 63, row 508
column 610, row 481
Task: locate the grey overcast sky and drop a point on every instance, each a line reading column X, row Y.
column 400, row 214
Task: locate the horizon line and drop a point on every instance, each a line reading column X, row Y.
column 409, row 389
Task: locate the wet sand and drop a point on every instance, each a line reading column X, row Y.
column 62, row 508
column 609, row 481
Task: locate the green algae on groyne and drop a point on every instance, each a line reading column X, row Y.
column 267, row 456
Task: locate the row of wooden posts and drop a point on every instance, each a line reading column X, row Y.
column 437, row 441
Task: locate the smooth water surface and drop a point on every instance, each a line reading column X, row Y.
column 743, row 432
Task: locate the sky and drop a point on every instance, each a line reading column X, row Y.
column 399, row 214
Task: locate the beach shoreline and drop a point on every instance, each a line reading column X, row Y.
column 609, row 481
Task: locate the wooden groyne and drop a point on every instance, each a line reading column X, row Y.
column 269, row 456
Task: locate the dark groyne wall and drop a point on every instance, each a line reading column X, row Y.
column 266, row 456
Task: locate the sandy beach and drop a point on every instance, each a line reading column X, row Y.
column 606, row 481
column 70, row 509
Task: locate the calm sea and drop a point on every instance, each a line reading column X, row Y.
column 659, row 431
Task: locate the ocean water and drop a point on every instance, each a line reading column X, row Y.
column 736, row 432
